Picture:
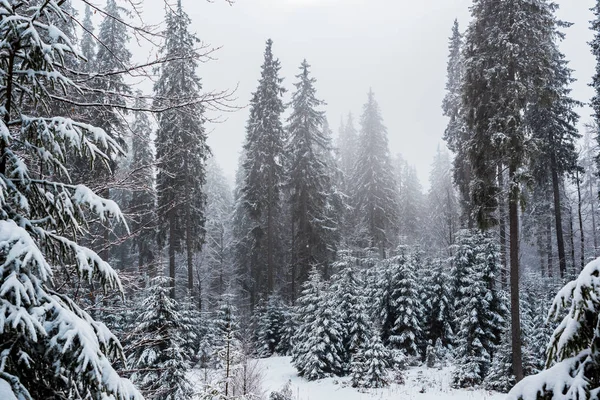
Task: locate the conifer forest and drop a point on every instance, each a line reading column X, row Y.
column 134, row 266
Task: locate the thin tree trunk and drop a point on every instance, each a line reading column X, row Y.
column 502, row 228
column 560, row 244
column 517, row 363
column 549, row 247
column 189, row 247
column 572, row 238
column 582, row 235
column 172, row 253
column 593, row 209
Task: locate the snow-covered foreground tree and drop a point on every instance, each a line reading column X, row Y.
column 573, row 354
column 49, row 347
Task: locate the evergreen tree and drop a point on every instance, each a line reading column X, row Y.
column 308, row 179
column 405, row 330
column 88, row 44
column 479, row 308
column 411, row 203
column 348, row 149
column 509, row 48
column 263, row 175
column 456, row 134
column 374, row 186
column 318, row 348
column 437, row 304
column 573, row 370
column 595, row 103
column 370, row 366
column 158, row 355
column 270, row 327
column 350, row 308
column 49, row 346
column 142, row 206
column 181, row 148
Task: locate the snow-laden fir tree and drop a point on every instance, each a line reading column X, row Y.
column 456, row 134
column 509, row 54
column 181, row 148
column 595, row 103
column 270, row 327
column 411, row 211
column 308, row 179
column 374, row 192
column 158, row 355
column 573, row 369
column 401, row 325
column 436, row 300
column 288, row 330
column 349, row 302
column 262, row 181
column 347, row 144
column 318, row 349
column 370, row 366
column 142, row 205
column 49, row 346
column 480, row 311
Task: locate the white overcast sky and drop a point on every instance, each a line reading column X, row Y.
column 396, row 47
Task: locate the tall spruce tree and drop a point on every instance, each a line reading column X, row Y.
column 595, row 103
column 509, row 59
column 263, row 177
column 142, row 205
column 455, row 134
column 49, row 346
column 308, row 179
column 374, row 190
column 181, row 148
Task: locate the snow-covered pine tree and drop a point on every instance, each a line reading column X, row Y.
column 288, row 330
column 573, row 369
column 370, row 366
column 158, row 355
column 88, row 43
column 509, row 56
column 374, row 192
column 49, row 346
column 181, row 148
column 456, row 134
column 480, row 311
column 308, row 179
column 595, row 45
column 348, row 301
column 436, row 300
column 262, row 180
column 347, row 144
column 318, row 348
column 403, row 325
column 142, row 205
column 270, row 327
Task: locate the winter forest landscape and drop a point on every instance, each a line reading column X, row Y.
column 300, row 199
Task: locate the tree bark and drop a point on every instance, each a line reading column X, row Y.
column 549, row 247
column 560, row 244
column 582, row 235
column 517, row 363
column 502, row 227
column 593, row 210
column 172, row 243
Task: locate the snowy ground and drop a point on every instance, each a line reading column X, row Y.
column 435, row 383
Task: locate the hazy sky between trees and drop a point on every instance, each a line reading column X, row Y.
column 396, row 47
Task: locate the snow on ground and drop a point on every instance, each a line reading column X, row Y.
column 434, row 383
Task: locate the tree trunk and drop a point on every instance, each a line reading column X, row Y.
column 560, row 244
column 502, row 227
column 517, row 363
column 593, row 209
column 582, row 235
column 172, row 253
column 189, row 247
column 549, row 247
column 572, row 238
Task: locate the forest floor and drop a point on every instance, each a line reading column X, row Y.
column 421, row 384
